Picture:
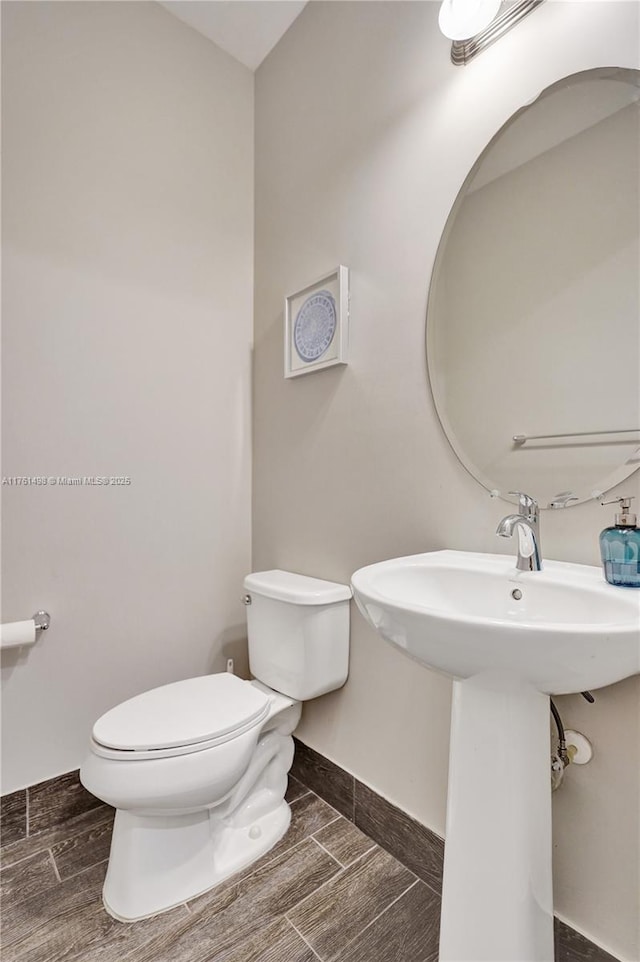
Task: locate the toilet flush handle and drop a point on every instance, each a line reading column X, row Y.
column 246, row 599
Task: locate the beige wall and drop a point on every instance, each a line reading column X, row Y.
column 364, row 134
column 128, row 251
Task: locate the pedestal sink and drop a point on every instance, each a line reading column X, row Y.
column 509, row 639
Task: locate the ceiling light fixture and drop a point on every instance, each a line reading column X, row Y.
column 472, row 25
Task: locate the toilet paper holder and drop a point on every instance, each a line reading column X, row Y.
column 15, row 634
column 41, row 620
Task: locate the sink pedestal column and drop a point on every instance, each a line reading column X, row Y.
column 497, row 899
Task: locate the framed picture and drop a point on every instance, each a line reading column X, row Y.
column 316, row 325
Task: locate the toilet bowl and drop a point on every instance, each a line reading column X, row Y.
column 197, row 769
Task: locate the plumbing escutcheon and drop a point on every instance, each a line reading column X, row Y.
column 584, row 748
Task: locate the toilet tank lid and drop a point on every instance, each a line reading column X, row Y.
column 296, row 589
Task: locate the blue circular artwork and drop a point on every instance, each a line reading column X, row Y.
column 314, row 326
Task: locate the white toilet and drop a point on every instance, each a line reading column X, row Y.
column 197, row 770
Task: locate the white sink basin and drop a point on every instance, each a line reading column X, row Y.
column 509, row 639
column 455, row 611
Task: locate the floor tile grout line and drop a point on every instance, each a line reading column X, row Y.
column 379, row 915
column 354, row 820
column 85, row 868
column 391, row 904
column 306, row 838
column 430, row 885
column 337, row 874
column 307, row 791
column 419, row 878
column 297, row 931
column 40, row 838
column 324, row 801
column 132, row 954
column 326, row 825
column 367, row 926
column 56, row 871
column 325, row 849
column 248, row 875
column 352, row 804
column 327, row 852
column 8, row 851
column 431, row 888
column 16, row 941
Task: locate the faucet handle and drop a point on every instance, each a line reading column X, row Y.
column 528, row 505
column 562, row 499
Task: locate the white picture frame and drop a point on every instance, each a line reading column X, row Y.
column 316, row 324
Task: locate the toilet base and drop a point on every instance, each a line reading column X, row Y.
column 158, row 862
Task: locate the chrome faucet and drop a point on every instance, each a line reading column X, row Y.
column 528, row 524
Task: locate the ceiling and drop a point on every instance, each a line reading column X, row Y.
column 247, row 29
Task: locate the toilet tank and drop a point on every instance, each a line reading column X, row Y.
column 298, row 630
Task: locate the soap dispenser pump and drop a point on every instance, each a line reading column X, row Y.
column 620, row 547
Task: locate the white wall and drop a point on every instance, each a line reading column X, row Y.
column 128, row 249
column 364, row 134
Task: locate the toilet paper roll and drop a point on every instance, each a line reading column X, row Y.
column 17, row 633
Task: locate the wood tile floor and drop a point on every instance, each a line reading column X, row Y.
column 326, row 891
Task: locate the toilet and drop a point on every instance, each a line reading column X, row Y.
column 197, row 769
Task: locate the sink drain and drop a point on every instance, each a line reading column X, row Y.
column 516, row 594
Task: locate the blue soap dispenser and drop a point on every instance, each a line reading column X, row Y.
column 620, row 547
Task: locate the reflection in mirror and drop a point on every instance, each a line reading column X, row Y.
column 533, row 342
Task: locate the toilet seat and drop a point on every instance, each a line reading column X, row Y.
column 179, row 718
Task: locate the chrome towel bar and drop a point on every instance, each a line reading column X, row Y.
column 523, row 438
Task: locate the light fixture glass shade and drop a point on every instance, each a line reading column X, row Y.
column 462, row 19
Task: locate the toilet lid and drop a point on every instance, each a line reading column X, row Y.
column 183, row 713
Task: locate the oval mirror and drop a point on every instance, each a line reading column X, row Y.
column 533, row 342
